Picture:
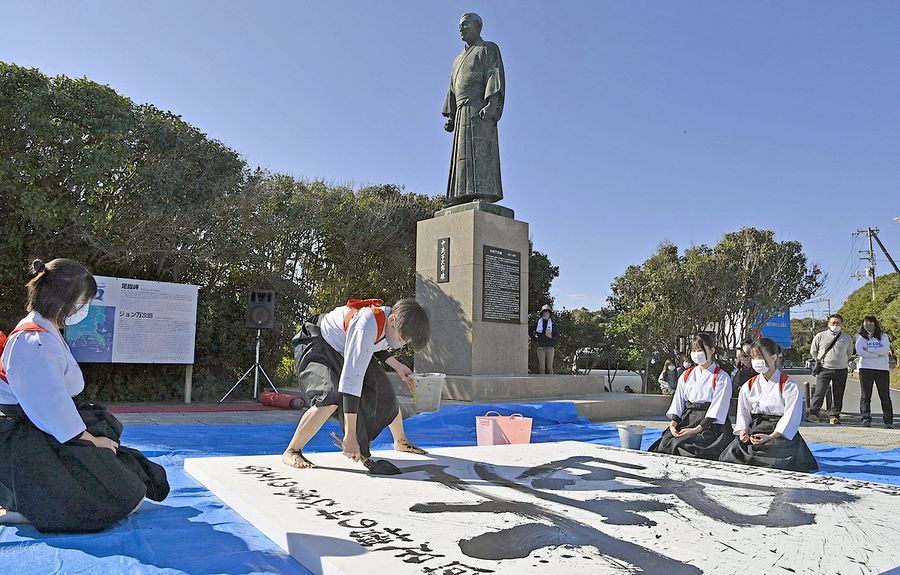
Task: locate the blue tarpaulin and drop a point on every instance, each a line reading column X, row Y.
column 194, row 532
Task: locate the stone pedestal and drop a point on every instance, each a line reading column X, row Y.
column 477, row 328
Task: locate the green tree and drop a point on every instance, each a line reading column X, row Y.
column 885, row 306
column 133, row 191
column 726, row 289
column 582, row 329
column 759, row 277
column 541, row 273
column 652, row 305
column 802, row 332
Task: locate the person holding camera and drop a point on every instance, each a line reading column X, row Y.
column 831, row 350
column 545, row 334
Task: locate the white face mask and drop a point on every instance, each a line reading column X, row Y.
column 759, row 365
column 671, row 367
column 686, row 365
column 835, row 328
column 698, row 357
column 77, row 316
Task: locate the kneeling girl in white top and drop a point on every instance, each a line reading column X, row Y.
column 770, row 409
column 699, row 409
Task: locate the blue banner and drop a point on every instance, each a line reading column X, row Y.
column 778, row 329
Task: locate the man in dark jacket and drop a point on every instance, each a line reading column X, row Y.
column 546, row 334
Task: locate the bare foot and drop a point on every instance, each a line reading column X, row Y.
column 405, row 445
column 294, row 458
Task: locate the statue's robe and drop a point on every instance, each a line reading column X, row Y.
column 476, row 78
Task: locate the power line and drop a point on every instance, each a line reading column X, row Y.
column 844, row 275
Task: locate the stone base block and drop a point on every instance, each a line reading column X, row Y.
column 499, row 388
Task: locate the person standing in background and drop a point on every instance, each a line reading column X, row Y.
column 874, row 350
column 545, row 334
column 668, row 378
column 831, row 349
column 743, row 370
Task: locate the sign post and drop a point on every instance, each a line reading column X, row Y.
column 138, row 321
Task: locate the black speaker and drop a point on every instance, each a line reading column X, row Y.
column 261, row 309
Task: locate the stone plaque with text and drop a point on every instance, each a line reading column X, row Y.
column 502, row 285
column 443, row 260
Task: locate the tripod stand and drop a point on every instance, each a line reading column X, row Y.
column 255, row 368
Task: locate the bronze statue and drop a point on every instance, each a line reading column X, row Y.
column 473, row 107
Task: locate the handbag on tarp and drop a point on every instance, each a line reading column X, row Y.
column 499, row 429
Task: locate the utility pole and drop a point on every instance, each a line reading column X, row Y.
column 812, row 319
column 884, row 249
column 826, row 300
column 870, row 271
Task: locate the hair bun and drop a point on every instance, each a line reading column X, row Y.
column 38, row 266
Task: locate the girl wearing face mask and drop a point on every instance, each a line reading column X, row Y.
column 770, row 410
column 61, row 465
column 668, row 378
column 874, row 349
column 685, row 365
column 699, row 410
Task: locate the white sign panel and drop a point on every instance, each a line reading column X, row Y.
column 561, row 508
column 137, row 321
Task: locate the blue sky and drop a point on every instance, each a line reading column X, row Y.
column 626, row 123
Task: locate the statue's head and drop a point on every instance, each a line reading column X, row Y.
column 470, row 27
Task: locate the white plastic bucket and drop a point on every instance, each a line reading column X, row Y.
column 428, row 390
column 630, row 436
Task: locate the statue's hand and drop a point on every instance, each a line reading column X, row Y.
column 448, row 125
column 486, row 113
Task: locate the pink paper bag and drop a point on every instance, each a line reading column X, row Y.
column 502, row 429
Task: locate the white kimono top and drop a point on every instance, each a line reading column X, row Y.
column 356, row 345
column 699, row 388
column 43, row 377
column 766, row 397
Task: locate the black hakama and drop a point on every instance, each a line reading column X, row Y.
column 708, row 444
column 780, row 453
column 318, row 367
column 74, row 486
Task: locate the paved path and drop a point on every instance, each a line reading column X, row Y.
column 850, row 433
column 851, row 398
column 210, row 418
